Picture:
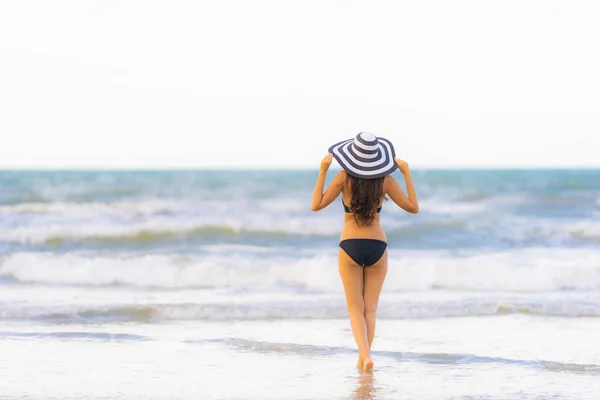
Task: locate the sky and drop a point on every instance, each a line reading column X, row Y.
column 272, row 84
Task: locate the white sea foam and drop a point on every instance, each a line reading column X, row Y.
column 170, row 227
column 536, row 269
column 151, row 220
column 585, row 229
column 438, row 205
column 532, row 269
column 161, row 228
column 160, row 218
column 87, row 209
column 166, row 271
column 149, row 206
column 228, row 248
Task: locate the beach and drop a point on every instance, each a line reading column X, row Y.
column 224, row 285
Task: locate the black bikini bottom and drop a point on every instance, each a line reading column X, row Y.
column 364, row 252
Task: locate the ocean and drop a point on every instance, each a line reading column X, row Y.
column 224, row 285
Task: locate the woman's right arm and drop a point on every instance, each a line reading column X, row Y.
column 321, row 200
column 410, row 203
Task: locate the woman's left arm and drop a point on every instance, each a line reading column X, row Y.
column 321, row 200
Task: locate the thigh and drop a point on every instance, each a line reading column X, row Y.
column 373, row 281
column 352, row 279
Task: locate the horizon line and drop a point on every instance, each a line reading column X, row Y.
column 284, row 168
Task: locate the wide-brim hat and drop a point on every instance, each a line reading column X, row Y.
column 366, row 156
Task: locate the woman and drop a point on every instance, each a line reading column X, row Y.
column 364, row 182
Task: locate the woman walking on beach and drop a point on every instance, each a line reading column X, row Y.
column 364, row 182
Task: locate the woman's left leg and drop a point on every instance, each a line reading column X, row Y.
column 373, row 282
column 352, row 279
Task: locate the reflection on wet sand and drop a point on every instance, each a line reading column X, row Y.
column 365, row 386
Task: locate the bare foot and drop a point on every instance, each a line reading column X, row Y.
column 360, row 363
column 368, row 365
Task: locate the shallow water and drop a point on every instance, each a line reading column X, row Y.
column 483, row 357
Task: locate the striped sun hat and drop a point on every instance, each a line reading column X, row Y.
column 366, row 156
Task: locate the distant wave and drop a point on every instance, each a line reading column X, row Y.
column 163, row 231
column 233, row 311
column 79, row 209
column 27, row 193
column 474, row 197
column 427, row 227
column 147, row 236
column 152, row 206
column 173, row 231
column 144, row 222
column 526, row 270
column 85, row 336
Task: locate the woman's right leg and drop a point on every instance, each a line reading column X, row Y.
column 352, row 279
column 373, row 282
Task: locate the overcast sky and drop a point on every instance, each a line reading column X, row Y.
column 275, row 83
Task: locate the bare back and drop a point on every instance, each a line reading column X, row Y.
column 351, row 229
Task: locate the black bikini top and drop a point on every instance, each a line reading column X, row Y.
column 346, row 209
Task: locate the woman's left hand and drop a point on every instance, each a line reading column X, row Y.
column 326, row 162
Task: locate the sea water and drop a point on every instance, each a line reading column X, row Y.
column 224, row 285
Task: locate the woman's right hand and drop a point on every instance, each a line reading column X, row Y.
column 402, row 165
column 326, row 162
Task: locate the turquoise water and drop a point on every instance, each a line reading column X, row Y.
column 107, row 268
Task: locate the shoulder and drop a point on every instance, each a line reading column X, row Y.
column 340, row 177
column 389, row 179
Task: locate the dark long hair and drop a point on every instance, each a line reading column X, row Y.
column 366, row 195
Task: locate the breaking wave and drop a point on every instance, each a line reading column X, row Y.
column 246, row 267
